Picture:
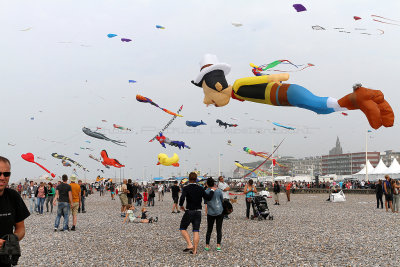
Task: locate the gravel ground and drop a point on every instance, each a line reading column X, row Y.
column 307, row 231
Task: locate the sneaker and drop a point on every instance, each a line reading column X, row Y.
column 84, row 211
column 178, row 211
column 55, row 229
column 156, row 219
column 173, row 212
column 73, row 228
column 206, row 249
column 218, row 249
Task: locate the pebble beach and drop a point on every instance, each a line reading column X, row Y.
column 306, row 231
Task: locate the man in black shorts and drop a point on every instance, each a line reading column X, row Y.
column 175, row 196
column 194, row 195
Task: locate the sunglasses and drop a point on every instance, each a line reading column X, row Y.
column 6, row 174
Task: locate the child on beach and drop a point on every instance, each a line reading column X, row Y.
column 145, row 198
column 139, row 199
column 144, row 216
column 130, row 216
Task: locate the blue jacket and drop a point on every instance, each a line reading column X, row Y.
column 214, row 206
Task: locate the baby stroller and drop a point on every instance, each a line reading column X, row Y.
column 261, row 210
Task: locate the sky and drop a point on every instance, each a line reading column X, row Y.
column 67, row 74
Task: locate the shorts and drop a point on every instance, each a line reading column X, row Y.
column 124, row 199
column 175, row 199
column 388, row 197
column 74, row 208
column 276, row 196
column 191, row 217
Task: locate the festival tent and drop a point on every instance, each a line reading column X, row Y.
column 380, row 168
column 363, row 171
column 394, row 167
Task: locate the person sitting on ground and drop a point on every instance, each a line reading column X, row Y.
column 144, row 216
column 130, row 216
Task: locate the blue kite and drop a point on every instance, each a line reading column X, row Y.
column 195, row 123
column 283, row 126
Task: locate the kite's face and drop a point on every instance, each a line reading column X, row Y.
column 218, row 98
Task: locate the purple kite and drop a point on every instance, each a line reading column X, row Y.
column 299, row 7
column 125, row 40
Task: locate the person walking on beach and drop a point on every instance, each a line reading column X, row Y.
column 249, row 191
column 123, row 197
column 76, row 200
column 277, row 190
column 193, row 194
column 64, row 197
column 175, row 196
column 152, row 194
column 287, row 187
column 13, row 210
column 379, row 194
column 83, row 196
column 160, row 190
column 32, row 199
column 112, row 191
column 224, row 187
column 101, row 189
column 214, row 211
column 387, row 190
column 41, row 194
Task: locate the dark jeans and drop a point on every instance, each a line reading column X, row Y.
column 63, row 210
column 49, row 199
column 379, row 199
column 82, row 204
column 210, row 225
column 248, row 209
column 151, row 201
column 40, row 203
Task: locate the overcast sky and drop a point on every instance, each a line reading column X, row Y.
column 66, row 67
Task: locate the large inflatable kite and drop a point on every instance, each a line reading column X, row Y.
column 268, row 89
column 165, row 140
column 57, row 156
column 110, row 162
column 100, row 136
column 31, row 158
column 163, row 159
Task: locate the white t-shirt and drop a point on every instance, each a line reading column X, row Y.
column 131, row 215
column 160, row 188
column 222, row 186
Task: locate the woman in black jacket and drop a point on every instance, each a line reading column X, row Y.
column 277, row 190
column 379, row 194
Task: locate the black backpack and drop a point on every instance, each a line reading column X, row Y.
column 227, row 206
column 11, row 251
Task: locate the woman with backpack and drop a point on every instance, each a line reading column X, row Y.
column 214, row 211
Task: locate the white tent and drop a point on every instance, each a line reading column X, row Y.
column 370, row 169
column 380, row 168
column 394, row 167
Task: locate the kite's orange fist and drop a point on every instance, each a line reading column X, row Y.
column 372, row 103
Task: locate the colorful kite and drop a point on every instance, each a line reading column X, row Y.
column 132, row 81
column 165, row 140
column 262, row 155
column 144, row 99
column 111, row 35
column 97, row 135
column 121, row 127
column 31, row 158
column 356, row 18
column 195, row 123
column 163, row 159
column 268, row 89
column 225, row 124
column 168, row 124
column 125, row 40
column 57, row 156
column 268, row 158
column 299, row 7
column 283, row 126
column 257, row 172
column 160, row 27
column 110, row 162
column 257, row 70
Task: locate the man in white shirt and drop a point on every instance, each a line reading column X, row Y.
column 160, row 192
column 225, row 190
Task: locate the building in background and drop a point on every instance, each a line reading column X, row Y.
column 347, row 164
column 337, row 150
